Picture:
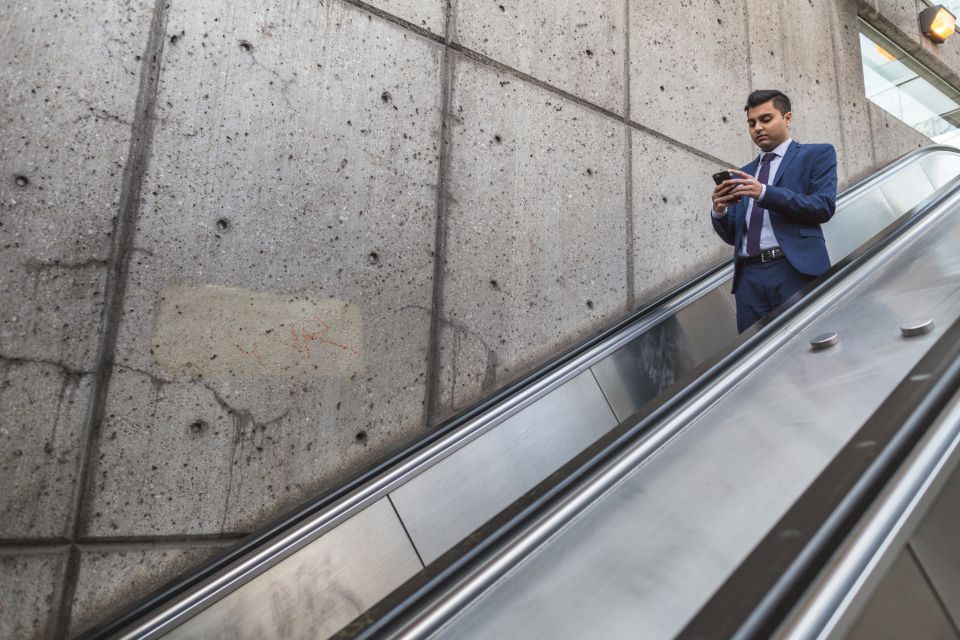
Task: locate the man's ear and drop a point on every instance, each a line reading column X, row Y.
column 788, row 117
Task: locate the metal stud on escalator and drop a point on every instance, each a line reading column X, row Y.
column 825, row 341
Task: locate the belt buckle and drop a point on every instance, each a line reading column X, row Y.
column 768, row 256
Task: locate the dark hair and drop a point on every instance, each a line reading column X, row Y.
column 780, row 100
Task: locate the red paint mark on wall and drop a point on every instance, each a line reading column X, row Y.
column 299, row 342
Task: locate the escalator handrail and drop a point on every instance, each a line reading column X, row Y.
column 317, row 515
column 517, row 525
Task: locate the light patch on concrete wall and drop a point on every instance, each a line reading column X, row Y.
column 217, row 331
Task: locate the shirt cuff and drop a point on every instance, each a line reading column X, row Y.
column 717, row 215
column 763, row 192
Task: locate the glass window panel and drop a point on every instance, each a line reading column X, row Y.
column 928, row 95
column 904, row 88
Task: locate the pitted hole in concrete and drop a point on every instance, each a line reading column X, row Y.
column 664, row 198
column 494, row 285
column 589, row 53
column 17, row 453
column 198, row 427
column 223, row 224
column 386, row 97
column 589, row 171
column 724, row 118
column 21, row 181
column 502, row 8
column 662, row 88
column 361, row 437
column 246, row 46
column 175, row 37
column 373, row 258
column 589, row 304
column 497, row 139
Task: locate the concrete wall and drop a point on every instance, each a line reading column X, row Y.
column 250, row 247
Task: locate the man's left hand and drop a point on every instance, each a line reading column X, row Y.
column 746, row 185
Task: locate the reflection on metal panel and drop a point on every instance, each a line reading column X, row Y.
column 941, row 167
column 641, row 369
column 708, row 325
column 317, row 590
column 906, row 188
column 902, row 607
column 937, row 546
column 444, row 504
column 653, row 549
column 867, row 213
column 856, row 223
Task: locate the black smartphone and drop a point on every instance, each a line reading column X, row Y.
column 722, row 176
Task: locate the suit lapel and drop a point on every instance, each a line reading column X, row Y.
column 785, row 163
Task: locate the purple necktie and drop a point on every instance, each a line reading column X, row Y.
column 756, row 218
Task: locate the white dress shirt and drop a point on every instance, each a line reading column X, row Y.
column 767, row 239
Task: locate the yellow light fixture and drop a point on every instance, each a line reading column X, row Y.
column 937, row 23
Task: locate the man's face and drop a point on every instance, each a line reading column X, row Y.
column 768, row 127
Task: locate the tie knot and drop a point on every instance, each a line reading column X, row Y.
column 768, row 157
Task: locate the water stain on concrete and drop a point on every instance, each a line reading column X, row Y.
column 214, row 331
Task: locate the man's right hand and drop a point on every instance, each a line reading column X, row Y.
column 721, row 196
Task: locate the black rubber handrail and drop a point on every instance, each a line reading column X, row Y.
column 392, row 612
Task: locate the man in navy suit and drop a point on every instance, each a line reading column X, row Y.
column 771, row 210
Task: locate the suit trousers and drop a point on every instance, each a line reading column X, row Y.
column 763, row 287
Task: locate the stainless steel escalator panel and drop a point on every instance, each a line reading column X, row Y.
column 445, row 503
column 642, row 559
column 634, row 374
column 936, row 544
column 316, row 591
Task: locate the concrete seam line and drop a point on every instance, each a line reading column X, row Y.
column 526, row 77
column 746, row 41
column 400, row 22
column 873, row 138
column 432, row 379
column 447, row 40
column 835, row 29
column 162, row 539
column 104, row 547
column 43, row 543
column 628, row 163
column 115, row 288
column 28, row 550
column 6, row 543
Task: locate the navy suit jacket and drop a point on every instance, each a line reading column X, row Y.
column 802, row 196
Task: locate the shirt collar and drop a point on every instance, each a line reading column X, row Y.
column 779, row 151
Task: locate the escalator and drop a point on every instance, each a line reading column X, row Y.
column 586, row 459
